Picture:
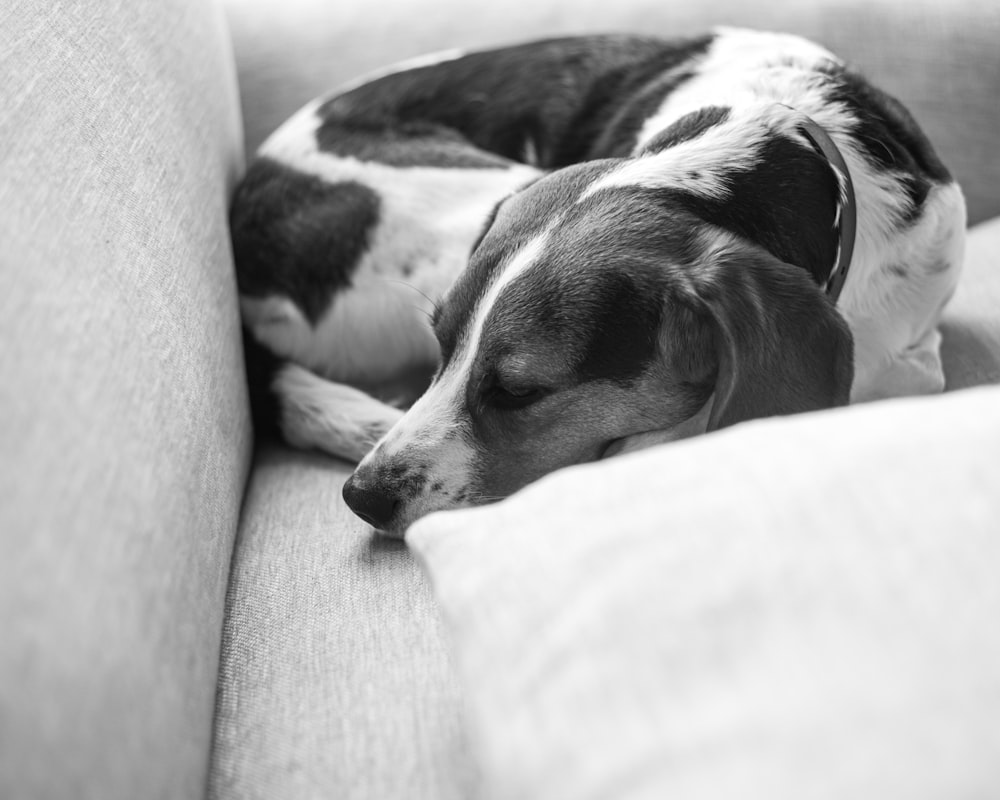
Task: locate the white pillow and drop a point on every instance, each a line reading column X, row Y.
column 805, row 607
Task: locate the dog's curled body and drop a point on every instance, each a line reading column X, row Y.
column 620, row 241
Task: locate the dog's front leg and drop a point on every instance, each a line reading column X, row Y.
column 333, row 417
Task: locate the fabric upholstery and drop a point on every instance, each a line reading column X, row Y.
column 791, row 608
column 335, row 680
column 124, row 427
column 970, row 346
column 940, row 59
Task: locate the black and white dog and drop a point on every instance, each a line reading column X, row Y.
column 592, row 244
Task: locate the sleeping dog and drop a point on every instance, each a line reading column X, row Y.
column 587, row 246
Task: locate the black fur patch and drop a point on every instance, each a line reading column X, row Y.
column 688, row 127
column 298, row 236
column 786, row 203
column 566, row 96
column 623, row 339
column 798, row 356
column 261, row 366
column 890, row 137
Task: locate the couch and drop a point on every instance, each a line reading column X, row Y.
column 794, row 607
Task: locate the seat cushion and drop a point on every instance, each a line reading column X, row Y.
column 124, row 429
column 335, row 680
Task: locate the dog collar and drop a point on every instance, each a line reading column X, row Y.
column 847, row 211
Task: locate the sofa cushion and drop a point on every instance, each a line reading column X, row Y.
column 335, row 681
column 941, row 59
column 793, row 607
column 123, row 418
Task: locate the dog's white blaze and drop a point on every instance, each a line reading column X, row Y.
column 437, row 411
column 426, row 432
column 520, row 263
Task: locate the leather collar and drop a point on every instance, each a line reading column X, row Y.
column 847, row 216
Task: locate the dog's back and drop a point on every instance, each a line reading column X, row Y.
column 360, row 212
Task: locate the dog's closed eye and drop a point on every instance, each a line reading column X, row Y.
column 514, row 397
column 515, row 382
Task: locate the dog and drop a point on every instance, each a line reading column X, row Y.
column 573, row 248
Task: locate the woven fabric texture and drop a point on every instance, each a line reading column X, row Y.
column 335, row 678
column 123, row 418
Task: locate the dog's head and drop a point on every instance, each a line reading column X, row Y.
column 595, row 318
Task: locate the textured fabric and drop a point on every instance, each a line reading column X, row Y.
column 970, row 347
column 334, row 679
column 792, row 608
column 124, row 433
column 941, row 59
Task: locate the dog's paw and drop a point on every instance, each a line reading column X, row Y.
column 333, row 417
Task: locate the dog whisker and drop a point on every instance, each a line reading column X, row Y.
column 409, row 285
column 434, row 304
column 479, row 497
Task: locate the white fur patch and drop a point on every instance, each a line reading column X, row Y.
column 336, row 418
column 894, row 319
column 700, row 165
column 428, row 216
column 373, row 332
column 744, row 66
column 428, row 220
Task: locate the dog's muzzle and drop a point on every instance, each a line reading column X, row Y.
column 374, row 504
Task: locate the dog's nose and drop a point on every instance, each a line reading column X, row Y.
column 375, row 505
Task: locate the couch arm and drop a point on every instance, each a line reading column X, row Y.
column 123, row 418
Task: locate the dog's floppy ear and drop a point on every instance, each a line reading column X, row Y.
column 781, row 345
